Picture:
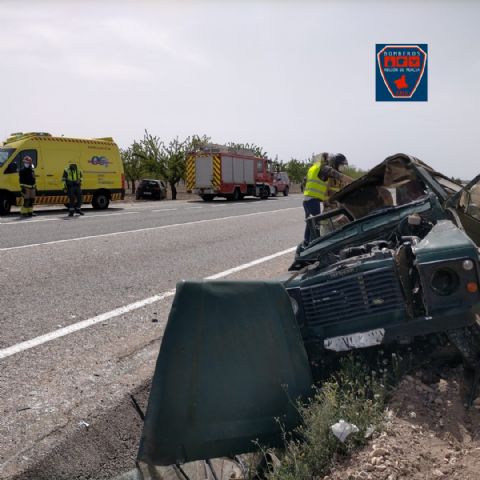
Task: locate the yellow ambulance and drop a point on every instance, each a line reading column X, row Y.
column 98, row 158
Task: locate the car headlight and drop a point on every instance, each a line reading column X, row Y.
column 467, row 265
column 444, row 281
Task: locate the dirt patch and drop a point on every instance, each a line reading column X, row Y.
column 101, row 449
column 429, row 433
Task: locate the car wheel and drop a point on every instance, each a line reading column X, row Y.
column 207, row 198
column 5, row 204
column 285, row 192
column 467, row 342
column 265, row 192
column 100, row 201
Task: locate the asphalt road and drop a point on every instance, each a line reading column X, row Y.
column 83, row 306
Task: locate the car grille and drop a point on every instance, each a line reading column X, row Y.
column 353, row 297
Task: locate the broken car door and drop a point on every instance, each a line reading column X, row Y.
column 467, row 206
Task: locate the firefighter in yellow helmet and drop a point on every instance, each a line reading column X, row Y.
column 324, row 178
column 27, row 184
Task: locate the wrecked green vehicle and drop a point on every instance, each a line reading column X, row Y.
column 397, row 259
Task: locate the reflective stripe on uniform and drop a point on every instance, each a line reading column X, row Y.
column 73, row 175
column 315, row 187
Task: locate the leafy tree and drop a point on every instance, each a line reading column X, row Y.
column 133, row 166
column 258, row 151
column 174, row 156
column 174, row 159
column 150, row 150
column 297, row 169
column 278, row 165
column 166, row 160
column 354, row 172
column 195, row 142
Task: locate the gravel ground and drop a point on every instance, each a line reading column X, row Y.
column 430, row 434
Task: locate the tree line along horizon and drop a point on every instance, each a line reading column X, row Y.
column 154, row 158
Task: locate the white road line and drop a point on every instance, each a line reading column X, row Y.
column 165, row 210
column 95, row 215
column 56, row 219
column 147, row 229
column 26, row 221
column 61, row 332
column 190, row 208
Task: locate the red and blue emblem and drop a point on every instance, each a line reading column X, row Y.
column 401, row 73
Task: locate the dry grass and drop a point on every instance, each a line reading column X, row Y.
column 356, row 393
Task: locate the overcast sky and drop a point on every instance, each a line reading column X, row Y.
column 293, row 77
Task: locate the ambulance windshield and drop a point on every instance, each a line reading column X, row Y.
column 5, row 154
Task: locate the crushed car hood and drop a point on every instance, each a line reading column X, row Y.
column 399, row 186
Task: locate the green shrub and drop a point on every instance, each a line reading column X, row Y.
column 355, row 393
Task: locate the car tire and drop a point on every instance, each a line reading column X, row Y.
column 100, row 201
column 265, row 192
column 5, row 204
column 285, row 192
column 467, row 342
column 207, row 198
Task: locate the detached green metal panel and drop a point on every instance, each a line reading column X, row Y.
column 231, row 365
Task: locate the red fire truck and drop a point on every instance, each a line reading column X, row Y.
column 220, row 171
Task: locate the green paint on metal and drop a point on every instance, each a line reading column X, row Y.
column 231, row 365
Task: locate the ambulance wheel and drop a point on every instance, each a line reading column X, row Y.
column 5, row 204
column 100, row 201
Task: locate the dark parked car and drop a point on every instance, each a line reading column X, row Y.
column 397, row 260
column 153, row 189
column 281, row 183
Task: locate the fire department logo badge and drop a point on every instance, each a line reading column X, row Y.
column 401, row 73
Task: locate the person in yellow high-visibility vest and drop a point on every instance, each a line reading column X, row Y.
column 324, row 178
column 72, row 179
